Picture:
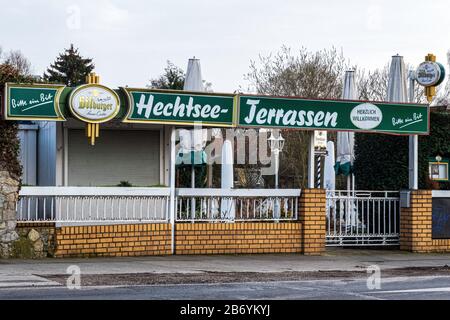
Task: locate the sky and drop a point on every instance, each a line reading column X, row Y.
column 130, row 41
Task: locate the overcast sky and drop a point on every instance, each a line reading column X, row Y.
column 131, row 40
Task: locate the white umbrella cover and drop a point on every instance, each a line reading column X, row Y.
column 396, row 91
column 227, row 205
column 329, row 175
column 346, row 140
column 193, row 80
column 345, row 154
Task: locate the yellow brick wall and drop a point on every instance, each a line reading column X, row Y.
column 304, row 236
column 313, row 219
column 235, row 238
column 416, row 225
column 114, row 240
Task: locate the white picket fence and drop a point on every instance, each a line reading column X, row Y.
column 237, row 204
column 100, row 205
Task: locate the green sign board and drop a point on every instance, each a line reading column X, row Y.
column 32, row 102
column 42, row 102
column 276, row 112
column 180, row 107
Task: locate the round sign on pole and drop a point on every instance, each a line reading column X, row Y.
column 429, row 74
column 94, row 103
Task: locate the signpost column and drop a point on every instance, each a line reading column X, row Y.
column 172, row 187
column 413, row 143
column 311, row 161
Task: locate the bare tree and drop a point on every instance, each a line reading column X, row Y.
column 298, row 73
column 373, row 85
column 18, row 61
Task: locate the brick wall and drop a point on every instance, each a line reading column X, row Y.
column 416, row 225
column 304, row 236
column 234, row 238
column 114, row 240
column 313, row 218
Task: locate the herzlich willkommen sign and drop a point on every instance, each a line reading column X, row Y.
column 276, row 112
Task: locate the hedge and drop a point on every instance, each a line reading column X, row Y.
column 381, row 161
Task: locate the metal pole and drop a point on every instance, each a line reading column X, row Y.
column 277, row 203
column 413, row 143
column 311, row 160
column 277, row 155
column 192, row 177
column 319, row 171
column 172, row 187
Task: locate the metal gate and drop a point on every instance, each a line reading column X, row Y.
column 362, row 218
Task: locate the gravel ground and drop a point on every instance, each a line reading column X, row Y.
column 131, row 279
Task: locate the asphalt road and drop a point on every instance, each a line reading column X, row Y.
column 426, row 287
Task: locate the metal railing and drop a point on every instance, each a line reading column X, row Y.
column 91, row 205
column 100, row 205
column 362, row 218
column 236, row 204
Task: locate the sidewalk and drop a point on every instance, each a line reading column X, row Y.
column 334, row 259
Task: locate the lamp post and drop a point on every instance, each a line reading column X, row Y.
column 276, row 144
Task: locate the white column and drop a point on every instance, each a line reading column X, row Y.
column 413, row 162
column 311, row 161
column 192, row 176
column 172, row 186
column 413, row 159
column 277, row 200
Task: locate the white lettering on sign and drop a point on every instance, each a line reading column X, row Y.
column 366, row 116
column 177, row 109
column 280, row 117
column 404, row 122
column 44, row 98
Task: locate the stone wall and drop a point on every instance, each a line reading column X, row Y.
column 36, row 240
column 9, row 189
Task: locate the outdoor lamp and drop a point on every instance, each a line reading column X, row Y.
column 438, row 158
column 276, row 143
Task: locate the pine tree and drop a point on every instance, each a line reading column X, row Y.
column 70, row 68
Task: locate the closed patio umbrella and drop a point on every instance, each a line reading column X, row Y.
column 227, row 180
column 193, row 82
column 346, row 140
column 329, row 176
column 396, row 91
column 345, row 152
